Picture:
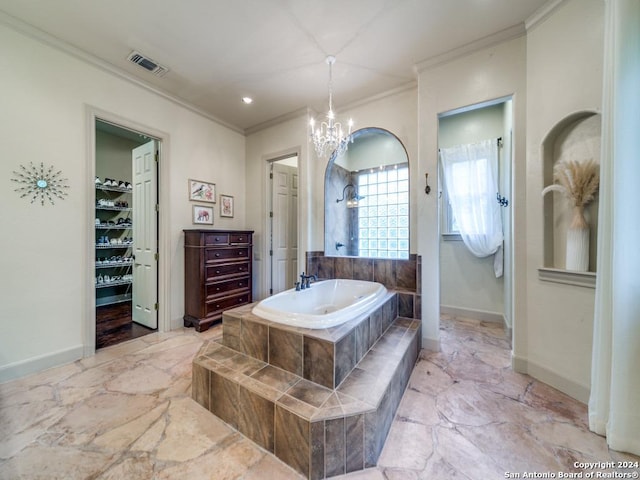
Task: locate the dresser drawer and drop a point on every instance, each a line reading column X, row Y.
column 216, row 239
column 214, row 307
column 239, row 238
column 224, row 288
column 214, row 272
column 220, row 254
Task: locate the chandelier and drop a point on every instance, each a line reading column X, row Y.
column 328, row 136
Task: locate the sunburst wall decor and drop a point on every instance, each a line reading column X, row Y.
column 40, row 183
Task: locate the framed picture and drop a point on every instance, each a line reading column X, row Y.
column 200, row 191
column 226, row 206
column 202, row 215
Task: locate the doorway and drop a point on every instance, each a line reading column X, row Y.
column 283, row 223
column 126, row 234
column 469, row 285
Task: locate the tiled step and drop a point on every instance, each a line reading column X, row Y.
column 320, row 432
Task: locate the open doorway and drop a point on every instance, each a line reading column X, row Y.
column 471, row 286
column 126, row 234
column 283, row 222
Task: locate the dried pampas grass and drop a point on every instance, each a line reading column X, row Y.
column 577, row 180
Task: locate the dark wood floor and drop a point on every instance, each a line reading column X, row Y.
column 114, row 325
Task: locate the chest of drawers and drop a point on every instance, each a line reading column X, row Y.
column 218, row 274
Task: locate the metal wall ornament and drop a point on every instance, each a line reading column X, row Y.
column 40, row 183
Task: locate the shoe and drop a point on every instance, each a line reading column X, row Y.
column 97, row 222
column 122, row 184
column 128, row 186
column 100, row 279
column 108, row 182
column 97, row 181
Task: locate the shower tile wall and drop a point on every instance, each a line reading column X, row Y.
column 402, row 276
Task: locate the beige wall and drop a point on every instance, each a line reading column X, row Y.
column 45, row 277
column 564, row 76
column 493, row 72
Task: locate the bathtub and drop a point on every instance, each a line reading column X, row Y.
column 325, row 304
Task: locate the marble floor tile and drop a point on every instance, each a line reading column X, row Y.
column 127, row 413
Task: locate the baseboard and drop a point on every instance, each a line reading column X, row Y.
column 573, row 389
column 480, row 315
column 431, row 344
column 40, row 363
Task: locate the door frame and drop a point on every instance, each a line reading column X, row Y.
column 92, row 114
column 268, row 160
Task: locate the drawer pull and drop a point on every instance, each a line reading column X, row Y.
column 217, row 306
column 240, row 284
column 217, row 255
column 240, row 239
column 240, row 300
column 217, row 239
column 217, row 289
column 217, row 272
column 240, row 253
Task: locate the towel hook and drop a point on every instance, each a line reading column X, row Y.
column 427, row 189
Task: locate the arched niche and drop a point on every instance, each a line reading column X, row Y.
column 576, row 137
column 373, row 149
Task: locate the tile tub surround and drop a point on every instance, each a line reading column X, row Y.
column 402, row 276
column 324, row 356
column 319, row 431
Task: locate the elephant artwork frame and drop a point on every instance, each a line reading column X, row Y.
column 202, row 215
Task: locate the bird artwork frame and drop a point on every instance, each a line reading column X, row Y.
column 200, row 191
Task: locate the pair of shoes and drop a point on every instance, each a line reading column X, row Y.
column 104, row 202
column 124, row 222
column 127, row 240
column 120, row 204
column 110, row 182
column 103, row 240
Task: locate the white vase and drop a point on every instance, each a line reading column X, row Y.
column 578, row 242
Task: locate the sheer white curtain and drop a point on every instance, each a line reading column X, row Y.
column 471, row 179
column 614, row 404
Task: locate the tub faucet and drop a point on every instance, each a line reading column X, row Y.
column 305, row 283
column 304, row 280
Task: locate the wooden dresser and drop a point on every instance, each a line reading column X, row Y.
column 217, row 274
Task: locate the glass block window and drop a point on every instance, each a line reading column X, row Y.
column 383, row 213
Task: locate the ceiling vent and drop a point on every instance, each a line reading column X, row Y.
column 148, row 64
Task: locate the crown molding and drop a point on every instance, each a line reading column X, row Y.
column 413, row 84
column 307, row 111
column 542, row 13
column 490, row 40
column 54, row 42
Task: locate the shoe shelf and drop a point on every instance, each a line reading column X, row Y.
column 113, row 189
column 113, row 299
column 113, row 215
column 113, row 284
column 113, row 265
column 113, row 209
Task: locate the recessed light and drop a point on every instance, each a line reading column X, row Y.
column 247, row 100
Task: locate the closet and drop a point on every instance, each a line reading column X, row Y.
column 114, row 235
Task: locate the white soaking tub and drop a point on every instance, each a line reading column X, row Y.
column 325, row 304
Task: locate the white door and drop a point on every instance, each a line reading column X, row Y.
column 284, row 262
column 145, row 237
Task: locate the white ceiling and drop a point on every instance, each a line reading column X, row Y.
column 272, row 50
